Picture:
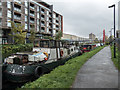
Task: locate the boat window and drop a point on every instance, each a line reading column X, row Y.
column 57, row 44
column 36, row 44
column 44, row 44
column 52, row 44
column 72, row 50
column 68, row 51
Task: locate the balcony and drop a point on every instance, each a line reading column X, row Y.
column 32, row 7
column 42, row 12
column 42, row 31
column 57, row 18
column 32, row 14
column 50, row 15
column 42, row 18
column 19, row 2
column 42, row 24
column 57, row 28
column 17, row 9
column 16, row 17
column 32, row 21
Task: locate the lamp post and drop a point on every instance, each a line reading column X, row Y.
column 111, row 36
column 114, row 30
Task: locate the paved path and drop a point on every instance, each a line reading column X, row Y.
column 98, row 72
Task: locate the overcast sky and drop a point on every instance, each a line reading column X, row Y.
column 83, row 17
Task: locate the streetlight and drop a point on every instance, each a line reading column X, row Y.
column 111, row 36
column 114, row 30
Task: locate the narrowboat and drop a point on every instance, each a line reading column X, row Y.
column 45, row 56
column 87, row 47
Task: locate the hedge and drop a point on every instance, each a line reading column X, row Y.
column 62, row 76
column 11, row 49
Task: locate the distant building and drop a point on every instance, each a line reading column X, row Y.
column 74, row 37
column 118, row 31
column 91, row 36
column 119, row 15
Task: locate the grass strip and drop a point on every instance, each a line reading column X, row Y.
column 116, row 60
column 62, row 76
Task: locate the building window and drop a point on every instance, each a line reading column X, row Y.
column 0, row 22
column 47, row 24
column 37, row 27
column 54, row 15
column 37, row 8
column 0, row 3
column 37, row 15
column 26, row 11
column 8, row 4
column 54, row 26
column 9, row 13
column 0, row 12
column 8, row 23
column 38, row 21
column 26, row 4
column 47, row 12
column 47, row 30
column 25, row 18
column 26, row 26
column 47, row 18
column 54, row 21
column 54, row 32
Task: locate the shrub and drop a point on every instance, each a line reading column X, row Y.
column 11, row 49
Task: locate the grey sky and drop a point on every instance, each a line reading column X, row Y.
column 82, row 17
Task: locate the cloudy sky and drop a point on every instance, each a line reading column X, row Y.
column 83, row 17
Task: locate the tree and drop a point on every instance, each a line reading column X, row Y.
column 32, row 36
column 96, row 40
column 58, row 35
column 17, row 33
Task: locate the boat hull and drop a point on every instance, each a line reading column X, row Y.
column 25, row 73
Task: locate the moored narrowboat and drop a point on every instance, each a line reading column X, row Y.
column 46, row 55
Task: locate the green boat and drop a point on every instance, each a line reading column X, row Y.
column 46, row 55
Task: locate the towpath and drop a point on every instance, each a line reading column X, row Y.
column 98, row 72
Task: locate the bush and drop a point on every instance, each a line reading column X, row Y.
column 11, row 49
column 62, row 76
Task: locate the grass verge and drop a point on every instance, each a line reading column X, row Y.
column 115, row 60
column 62, row 76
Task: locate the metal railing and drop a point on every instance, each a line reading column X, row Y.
column 32, row 14
column 42, row 24
column 32, row 21
column 18, row 1
column 42, row 12
column 15, row 17
column 17, row 9
column 32, row 7
column 42, row 31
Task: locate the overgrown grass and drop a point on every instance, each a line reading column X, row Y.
column 116, row 60
column 62, row 76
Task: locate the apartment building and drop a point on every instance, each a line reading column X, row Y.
column 91, row 36
column 33, row 14
column 118, row 31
